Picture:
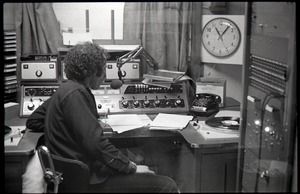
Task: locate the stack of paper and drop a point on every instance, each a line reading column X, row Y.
column 165, row 121
column 126, row 122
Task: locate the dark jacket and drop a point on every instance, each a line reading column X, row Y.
column 72, row 130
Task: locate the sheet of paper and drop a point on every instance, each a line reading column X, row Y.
column 165, row 121
column 126, row 122
column 228, row 113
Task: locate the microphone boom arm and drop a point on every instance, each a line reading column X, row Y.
column 139, row 51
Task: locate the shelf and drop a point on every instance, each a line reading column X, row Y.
column 10, row 67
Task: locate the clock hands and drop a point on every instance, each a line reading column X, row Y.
column 221, row 35
column 224, row 31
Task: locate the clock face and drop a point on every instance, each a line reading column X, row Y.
column 221, row 37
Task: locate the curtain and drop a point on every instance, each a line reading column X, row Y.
column 164, row 29
column 37, row 28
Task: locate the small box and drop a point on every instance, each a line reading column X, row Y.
column 212, row 86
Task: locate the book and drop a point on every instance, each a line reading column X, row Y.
column 164, row 75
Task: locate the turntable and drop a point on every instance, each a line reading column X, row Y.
column 13, row 135
column 222, row 127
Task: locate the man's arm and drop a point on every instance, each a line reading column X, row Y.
column 89, row 133
column 36, row 120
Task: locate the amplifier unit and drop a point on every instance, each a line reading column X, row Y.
column 38, row 70
column 131, row 70
column 142, row 98
column 33, row 96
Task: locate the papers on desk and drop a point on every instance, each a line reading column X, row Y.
column 126, row 122
column 228, row 113
column 165, row 121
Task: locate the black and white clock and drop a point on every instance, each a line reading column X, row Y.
column 222, row 39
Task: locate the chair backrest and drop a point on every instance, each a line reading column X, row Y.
column 62, row 174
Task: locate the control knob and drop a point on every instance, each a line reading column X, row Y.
column 178, row 102
column 157, row 103
column 125, row 104
column 30, row 106
column 136, row 103
column 38, row 73
column 146, row 103
column 167, row 101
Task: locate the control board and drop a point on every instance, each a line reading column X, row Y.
column 142, row 98
column 33, row 96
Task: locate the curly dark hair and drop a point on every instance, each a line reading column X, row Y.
column 84, row 60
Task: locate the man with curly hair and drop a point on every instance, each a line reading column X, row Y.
column 69, row 120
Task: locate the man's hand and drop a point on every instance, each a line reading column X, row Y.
column 143, row 169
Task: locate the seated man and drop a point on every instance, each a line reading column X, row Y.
column 69, row 120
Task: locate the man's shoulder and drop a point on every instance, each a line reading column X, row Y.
column 69, row 87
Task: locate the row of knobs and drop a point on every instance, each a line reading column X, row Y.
column 157, row 103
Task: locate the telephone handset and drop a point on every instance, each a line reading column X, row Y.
column 205, row 104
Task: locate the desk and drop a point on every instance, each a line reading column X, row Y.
column 16, row 157
column 195, row 164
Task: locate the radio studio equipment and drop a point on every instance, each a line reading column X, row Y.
column 269, row 121
column 39, row 67
column 205, row 104
column 39, row 80
column 33, row 96
column 131, row 70
column 115, row 95
column 131, row 67
column 130, row 56
column 142, row 98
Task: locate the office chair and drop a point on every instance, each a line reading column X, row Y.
column 62, row 174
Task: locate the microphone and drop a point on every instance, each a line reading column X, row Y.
column 116, row 84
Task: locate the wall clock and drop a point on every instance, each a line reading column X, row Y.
column 222, row 39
